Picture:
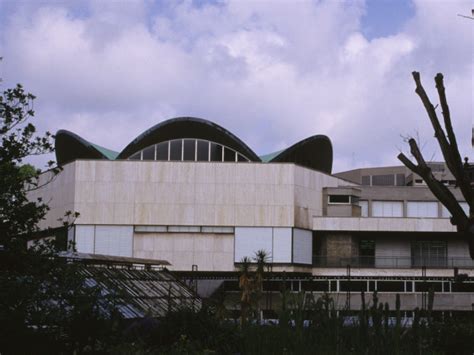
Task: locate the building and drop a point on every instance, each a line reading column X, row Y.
column 190, row 192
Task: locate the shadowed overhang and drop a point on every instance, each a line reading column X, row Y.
column 187, row 127
column 313, row 152
column 69, row 147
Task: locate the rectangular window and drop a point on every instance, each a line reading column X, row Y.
column 366, row 180
column 162, row 151
column 367, row 252
column 400, row 179
column 387, row 209
column 343, row 199
column 383, row 180
column 189, row 153
column 176, row 149
column 202, row 151
column 216, row 152
column 229, row 154
column 364, row 208
column 429, row 253
column 422, row 209
column 149, row 153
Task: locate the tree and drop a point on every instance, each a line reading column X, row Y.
column 449, row 148
column 47, row 305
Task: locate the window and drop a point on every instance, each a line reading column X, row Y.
column 216, row 152
column 149, row 153
column 202, row 150
column 429, row 253
column 364, row 208
column 422, row 209
column 229, row 154
column 366, row 180
column 162, row 151
column 175, row 149
column 445, row 213
column 401, row 180
column 387, row 209
column 367, row 252
column 136, row 156
column 383, row 180
column 189, row 150
column 342, row 199
column 240, row 157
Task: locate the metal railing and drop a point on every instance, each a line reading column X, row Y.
column 398, row 262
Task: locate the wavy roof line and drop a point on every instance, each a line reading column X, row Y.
column 314, row 152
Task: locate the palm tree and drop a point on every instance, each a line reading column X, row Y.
column 261, row 258
column 245, row 285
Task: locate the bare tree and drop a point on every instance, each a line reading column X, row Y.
column 449, row 148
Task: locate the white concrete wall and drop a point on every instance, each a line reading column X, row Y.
column 210, row 252
column 187, row 193
column 377, row 224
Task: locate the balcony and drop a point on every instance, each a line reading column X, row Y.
column 390, row 262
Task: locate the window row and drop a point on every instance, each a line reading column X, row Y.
column 425, row 209
column 189, row 150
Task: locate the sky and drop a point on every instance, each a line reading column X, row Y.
column 271, row 72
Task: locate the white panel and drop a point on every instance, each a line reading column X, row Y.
column 445, row 213
column 387, row 209
column 281, row 245
column 250, row 240
column 84, row 239
column 422, row 209
column 114, row 240
column 392, row 253
column 364, row 208
column 302, row 246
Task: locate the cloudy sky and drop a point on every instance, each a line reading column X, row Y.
column 272, row 72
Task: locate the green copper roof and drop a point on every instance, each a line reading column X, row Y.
column 267, row 157
column 107, row 152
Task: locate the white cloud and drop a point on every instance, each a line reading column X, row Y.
column 271, row 74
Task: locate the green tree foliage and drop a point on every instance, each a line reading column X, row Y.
column 47, row 305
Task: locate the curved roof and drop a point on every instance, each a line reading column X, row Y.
column 314, row 152
column 187, row 127
column 69, row 146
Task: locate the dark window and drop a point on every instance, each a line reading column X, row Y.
column 175, row 150
column 366, row 180
column 367, row 252
column 400, row 180
column 149, row 153
column 418, row 181
column 315, row 286
column 229, row 154
column 202, row 151
column 136, row 156
column 425, row 286
column 240, row 157
column 339, row 199
column 189, row 152
column 383, row 180
column 162, row 151
column 216, row 152
column 429, row 253
column 390, row 286
column 354, row 286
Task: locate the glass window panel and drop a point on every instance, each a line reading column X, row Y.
column 339, row 199
column 175, row 149
column 136, row 156
column 149, row 153
column 202, row 150
column 216, row 152
column 387, row 209
column 189, row 153
column 422, row 209
column 162, row 151
column 366, row 180
column 383, row 180
column 240, row 157
column 229, row 154
column 364, row 208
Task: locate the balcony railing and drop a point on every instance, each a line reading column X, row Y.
column 398, row 262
